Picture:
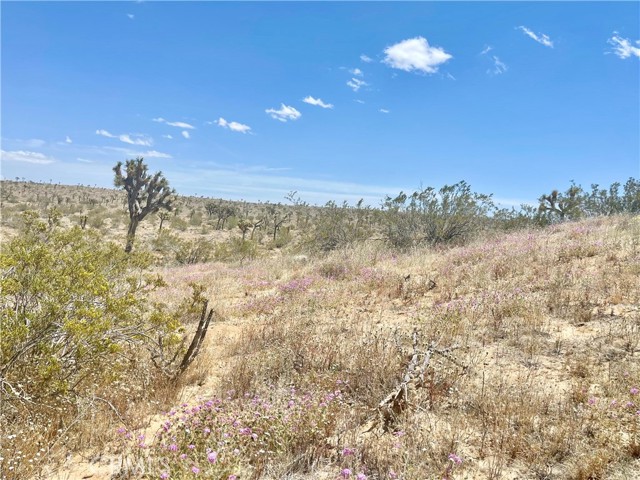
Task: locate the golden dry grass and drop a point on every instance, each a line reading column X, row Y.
column 540, row 383
column 546, row 326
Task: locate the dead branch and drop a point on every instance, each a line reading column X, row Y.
column 198, row 338
column 395, row 403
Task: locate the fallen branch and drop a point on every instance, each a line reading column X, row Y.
column 395, row 403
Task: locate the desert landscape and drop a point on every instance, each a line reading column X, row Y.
column 510, row 352
column 326, row 240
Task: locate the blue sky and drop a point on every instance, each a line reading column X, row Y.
column 245, row 100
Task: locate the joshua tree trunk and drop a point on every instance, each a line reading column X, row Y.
column 131, row 234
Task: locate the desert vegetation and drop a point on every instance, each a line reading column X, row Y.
column 433, row 336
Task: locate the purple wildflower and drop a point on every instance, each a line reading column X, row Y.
column 346, row 451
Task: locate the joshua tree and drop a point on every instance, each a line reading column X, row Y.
column 163, row 216
column 244, row 225
column 567, row 206
column 146, row 193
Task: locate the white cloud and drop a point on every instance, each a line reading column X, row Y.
column 68, row 140
column 384, row 110
column 359, row 101
column 316, row 101
column 131, row 16
column 104, row 133
column 181, row 125
column 234, row 126
column 415, row 54
column 357, row 72
column 356, row 83
column 140, row 140
column 185, row 134
column 127, row 138
column 26, row 156
column 542, row 38
column 623, row 47
column 486, row 50
column 167, row 136
column 84, row 160
column 153, row 154
column 284, row 113
column 498, row 67
column 174, row 124
column 365, row 58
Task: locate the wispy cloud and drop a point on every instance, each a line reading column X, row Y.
column 137, row 139
column 84, row 160
column 623, row 47
column 357, row 100
column 415, row 54
column 153, row 154
column 498, row 67
column 167, row 136
column 356, row 83
column 68, row 139
column 234, row 126
column 486, row 50
column 316, row 101
column 357, row 72
column 174, row 124
column 540, row 38
column 384, row 110
column 26, row 157
column 267, row 183
column 105, row 133
column 284, row 113
column 131, row 16
column 365, row 58
column 185, row 134
column 33, row 142
column 107, row 151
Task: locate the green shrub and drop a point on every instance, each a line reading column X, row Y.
column 194, row 251
column 236, row 249
column 71, row 304
column 178, row 223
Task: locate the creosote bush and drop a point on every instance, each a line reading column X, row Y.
column 71, row 304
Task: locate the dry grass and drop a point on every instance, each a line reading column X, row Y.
column 540, row 383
